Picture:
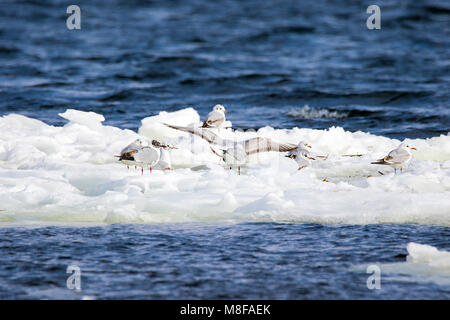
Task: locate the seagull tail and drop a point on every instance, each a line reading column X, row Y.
column 381, row 161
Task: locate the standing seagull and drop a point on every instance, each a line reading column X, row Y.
column 141, row 156
column 397, row 158
column 216, row 117
column 235, row 153
column 165, row 160
column 301, row 155
column 128, row 151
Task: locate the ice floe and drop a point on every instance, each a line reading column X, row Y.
column 70, row 174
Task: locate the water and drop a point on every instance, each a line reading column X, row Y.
column 203, row 261
column 310, row 64
column 132, row 59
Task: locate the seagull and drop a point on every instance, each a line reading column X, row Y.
column 397, row 158
column 301, row 155
column 142, row 156
column 216, row 117
column 235, row 153
column 129, row 150
column 136, row 144
column 165, row 161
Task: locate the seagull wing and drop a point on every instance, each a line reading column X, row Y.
column 147, row 155
column 397, row 156
column 260, row 144
column 215, row 119
column 216, row 153
column 127, row 155
column 130, row 148
column 206, row 134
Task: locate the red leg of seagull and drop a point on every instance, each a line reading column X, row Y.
column 142, row 171
column 401, row 170
column 128, row 167
column 239, row 170
column 150, row 169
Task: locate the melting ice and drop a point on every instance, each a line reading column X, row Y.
column 70, row 174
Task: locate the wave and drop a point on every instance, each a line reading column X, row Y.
column 380, row 96
column 69, row 174
column 281, row 30
column 307, row 112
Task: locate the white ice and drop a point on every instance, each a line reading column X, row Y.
column 424, row 263
column 69, row 174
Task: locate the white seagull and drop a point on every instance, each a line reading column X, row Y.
column 235, row 153
column 301, row 155
column 165, row 160
column 216, row 117
column 397, row 158
column 142, row 156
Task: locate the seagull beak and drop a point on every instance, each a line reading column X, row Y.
column 309, row 146
column 226, row 111
column 164, row 146
column 173, row 148
column 413, row 148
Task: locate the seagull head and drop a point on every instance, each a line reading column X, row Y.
column 157, row 144
column 407, row 146
column 303, row 145
column 220, row 108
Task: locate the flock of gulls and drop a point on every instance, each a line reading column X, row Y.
column 235, row 153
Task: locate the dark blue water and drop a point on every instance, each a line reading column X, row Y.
column 245, row 261
column 261, row 59
column 264, row 60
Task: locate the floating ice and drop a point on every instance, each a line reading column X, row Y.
column 69, row 174
column 428, row 255
column 424, row 263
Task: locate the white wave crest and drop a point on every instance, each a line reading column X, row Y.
column 306, row 112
